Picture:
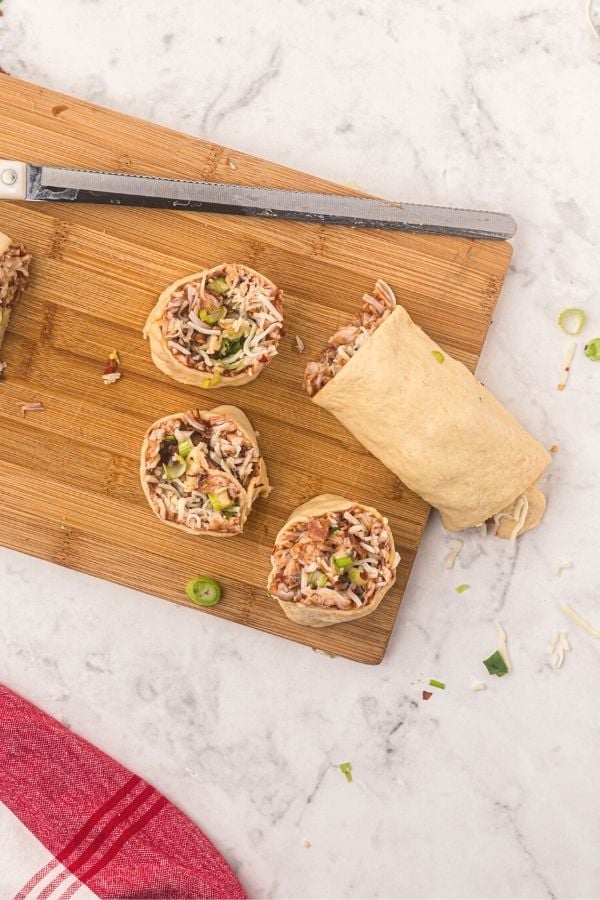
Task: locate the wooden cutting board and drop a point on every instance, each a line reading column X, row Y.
column 69, row 489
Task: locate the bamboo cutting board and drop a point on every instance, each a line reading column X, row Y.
column 69, row 489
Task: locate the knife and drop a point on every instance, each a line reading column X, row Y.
column 25, row 181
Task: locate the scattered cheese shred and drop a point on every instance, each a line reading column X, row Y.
column 518, row 514
column 299, row 344
column 455, row 550
column 566, row 365
column 478, row 686
column 503, row 647
column 558, row 647
column 578, row 618
column 593, row 18
column 567, row 564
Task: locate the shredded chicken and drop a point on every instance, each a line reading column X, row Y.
column 348, row 339
column 14, row 275
column 226, row 324
column 305, row 567
column 220, row 463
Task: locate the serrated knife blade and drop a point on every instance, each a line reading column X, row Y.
column 27, row 181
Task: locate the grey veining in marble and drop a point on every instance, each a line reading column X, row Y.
column 490, row 794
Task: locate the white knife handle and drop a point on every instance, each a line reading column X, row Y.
column 13, row 180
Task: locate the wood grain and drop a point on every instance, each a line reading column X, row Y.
column 68, row 482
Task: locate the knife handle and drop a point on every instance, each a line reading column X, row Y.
column 13, row 180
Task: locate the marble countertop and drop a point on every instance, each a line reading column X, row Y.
column 490, row 794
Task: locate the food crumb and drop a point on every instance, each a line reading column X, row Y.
column 346, row 770
column 3, row 366
column 567, row 564
column 32, row 407
column 478, row 686
column 306, row 843
column 427, row 695
column 554, row 448
column 231, row 165
column 299, row 344
column 111, row 368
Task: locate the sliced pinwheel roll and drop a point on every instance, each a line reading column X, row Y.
column 14, row 275
column 216, row 328
column 333, row 561
column 201, row 471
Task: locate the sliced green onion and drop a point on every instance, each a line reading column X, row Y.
column 170, row 439
column 317, row 579
column 496, row 664
column 230, row 346
column 212, row 316
column 203, row 591
column 175, row 469
column 461, row 588
column 220, row 500
column 592, row 349
column 342, row 562
column 346, row 770
column 571, row 320
column 438, row 356
column 232, row 512
column 438, row 684
column 356, row 576
column 211, row 382
column 218, row 285
column 185, row 448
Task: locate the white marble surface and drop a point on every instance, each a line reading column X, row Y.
column 474, row 795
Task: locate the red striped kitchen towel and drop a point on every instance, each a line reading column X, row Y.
column 75, row 822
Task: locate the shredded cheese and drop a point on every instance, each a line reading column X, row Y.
column 567, row 564
column 566, row 365
column 519, row 514
column 578, row 618
column 559, row 646
column 453, row 554
column 503, row 647
column 478, row 686
column 593, row 19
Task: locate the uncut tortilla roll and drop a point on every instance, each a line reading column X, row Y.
column 14, row 275
column 333, row 561
column 201, row 471
column 216, row 328
column 429, row 420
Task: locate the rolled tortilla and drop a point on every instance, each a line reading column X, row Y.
column 427, row 418
column 311, row 588
column 201, row 471
column 216, row 328
column 14, row 276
